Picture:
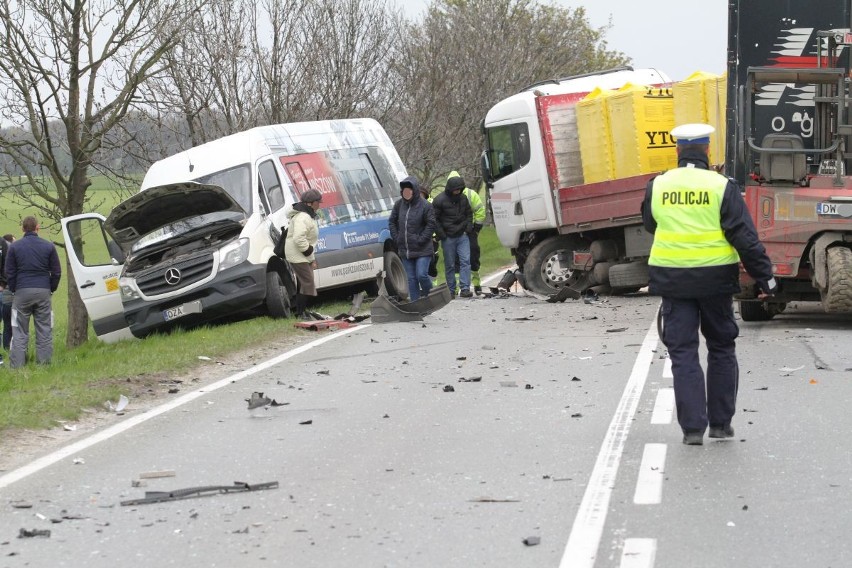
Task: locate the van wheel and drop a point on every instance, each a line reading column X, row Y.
column 396, row 280
column 277, row 298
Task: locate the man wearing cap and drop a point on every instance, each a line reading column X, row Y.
column 411, row 224
column 702, row 230
column 302, row 236
column 454, row 222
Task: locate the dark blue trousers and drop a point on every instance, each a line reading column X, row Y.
column 699, row 405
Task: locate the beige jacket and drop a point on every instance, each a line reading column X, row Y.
column 302, row 232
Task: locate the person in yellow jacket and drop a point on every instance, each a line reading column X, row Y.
column 701, row 230
column 302, row 236
column 478, row 211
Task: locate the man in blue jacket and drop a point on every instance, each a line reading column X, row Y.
column 32, row 274
column 411, row 225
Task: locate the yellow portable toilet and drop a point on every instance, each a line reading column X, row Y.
column 701, row 98
column 594, row 133
column 641, row 120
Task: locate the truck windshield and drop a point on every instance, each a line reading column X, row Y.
column 508, row 149
column 236, row 181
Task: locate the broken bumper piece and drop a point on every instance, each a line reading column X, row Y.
column 387, row 309
column 162, row 496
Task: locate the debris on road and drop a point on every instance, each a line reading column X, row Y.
column 258, row 400
column 508, row 384
column 616, row 329
column 529, row 387
column 162, row 496
column 493, row 500
column 324, row 372
column 24, row 533
column 157, row 474
column 306, row 423
column 122, row 403
column 78, row 461
column 532, row 540
column 449, row 388
column 21, row 505
column 470, row 379
column 787, row 371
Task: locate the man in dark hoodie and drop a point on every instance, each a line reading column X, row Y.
column 454, row 223
column 411, row 225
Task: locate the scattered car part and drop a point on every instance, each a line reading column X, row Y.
column 162, row 496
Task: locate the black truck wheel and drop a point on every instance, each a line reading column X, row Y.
column 838, row 294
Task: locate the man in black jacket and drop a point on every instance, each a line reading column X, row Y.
column 32, row 273
column 411, row 225
column 454, row 222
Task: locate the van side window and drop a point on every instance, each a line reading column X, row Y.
column 271, row 185
column 508, row 149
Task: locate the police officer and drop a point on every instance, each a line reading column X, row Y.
column 702, row 230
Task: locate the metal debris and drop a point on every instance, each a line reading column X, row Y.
column 306, row 423
column 162, row 496
column 157, row 474
column 616, row 329
column 24, row 533
column 449, row 388
column 532, row 540
column 258, row 400
column 470, row 379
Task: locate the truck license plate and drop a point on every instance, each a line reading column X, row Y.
column 182, row 310
column 826, row 208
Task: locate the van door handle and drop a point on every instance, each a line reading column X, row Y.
column 88, row 284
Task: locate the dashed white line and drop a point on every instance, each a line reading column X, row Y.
column 584, row 540
column 649, row 485
column 663, row 406
column 638, row 553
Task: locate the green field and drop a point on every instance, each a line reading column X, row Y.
column 86, row 377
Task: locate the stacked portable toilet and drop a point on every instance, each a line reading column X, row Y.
column 701, row 97
column 594, row 132
column 641, row 119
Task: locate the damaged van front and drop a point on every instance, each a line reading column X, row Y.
column 182, row 259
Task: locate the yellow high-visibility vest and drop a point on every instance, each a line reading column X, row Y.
column 686, row 203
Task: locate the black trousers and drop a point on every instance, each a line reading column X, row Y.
column 699, row 403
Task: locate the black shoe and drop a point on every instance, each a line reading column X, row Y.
column 477, row 290
column 466, row 293
column 725, row 431
column 693, row 438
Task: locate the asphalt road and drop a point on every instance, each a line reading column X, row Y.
column 561, row 430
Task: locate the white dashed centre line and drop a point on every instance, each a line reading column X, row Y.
column 649, row 485
column 638, row 553
column 663, row 406
column 582, row 548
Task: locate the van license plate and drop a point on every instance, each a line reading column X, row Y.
column 182, row 310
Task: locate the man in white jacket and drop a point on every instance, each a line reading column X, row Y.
column 302, row 235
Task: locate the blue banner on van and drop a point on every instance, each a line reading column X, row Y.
column 353, row 234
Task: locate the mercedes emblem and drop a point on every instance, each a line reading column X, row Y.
column 172, row 276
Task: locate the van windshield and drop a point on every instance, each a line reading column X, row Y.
column 236, row 181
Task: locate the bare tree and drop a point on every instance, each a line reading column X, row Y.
column 77, row 64
column 468, row 54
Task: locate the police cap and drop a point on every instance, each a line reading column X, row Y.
column 695, row 133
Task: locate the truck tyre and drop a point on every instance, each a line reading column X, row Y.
column 629, row 275
column 838, row 294
column 547, row 268
column 396, row 280
column 277, row 296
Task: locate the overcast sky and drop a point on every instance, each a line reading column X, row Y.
column 674, row 36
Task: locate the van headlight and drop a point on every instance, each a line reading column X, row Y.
column 128, row 291
column 233, row 253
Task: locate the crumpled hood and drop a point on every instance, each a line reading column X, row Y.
column 157, row 207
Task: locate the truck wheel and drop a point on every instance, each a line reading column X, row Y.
column 547, row 268
column 396, row 280
column 838, row 295
column 629, row 275
column 277, row 296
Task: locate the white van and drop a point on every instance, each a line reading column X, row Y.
column 196, row 243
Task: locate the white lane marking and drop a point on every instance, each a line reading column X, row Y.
column 583, row 543
column 663, row 406
column 667, row 369
column 106, row 434
column 649, row 485
column 638, row 553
